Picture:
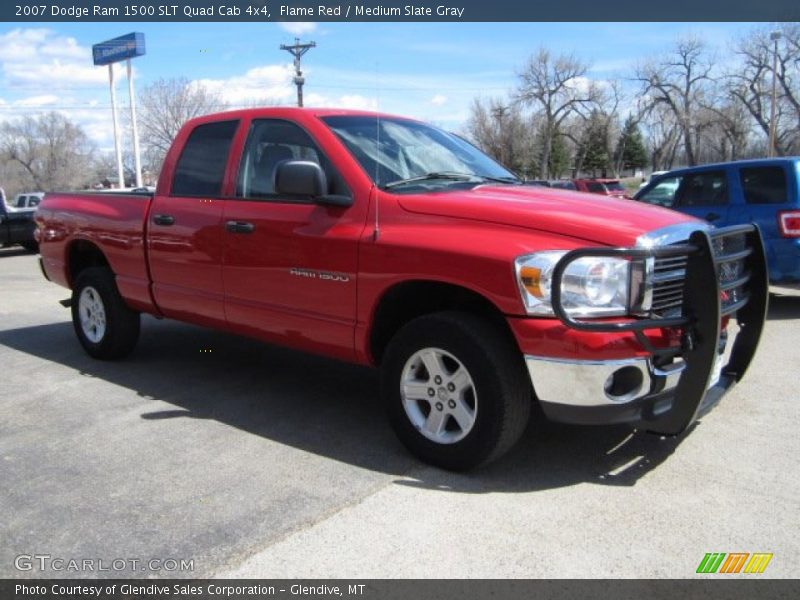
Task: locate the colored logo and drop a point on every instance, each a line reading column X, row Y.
column 734, row 562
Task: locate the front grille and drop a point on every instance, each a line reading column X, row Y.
column 668, row 276
column 730, row 252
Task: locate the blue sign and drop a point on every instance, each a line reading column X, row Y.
column 121, row 48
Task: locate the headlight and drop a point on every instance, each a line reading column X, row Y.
column 592, row 286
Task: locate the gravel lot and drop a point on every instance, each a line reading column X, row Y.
column 256, row 461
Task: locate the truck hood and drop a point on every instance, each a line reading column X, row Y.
column 592, row 217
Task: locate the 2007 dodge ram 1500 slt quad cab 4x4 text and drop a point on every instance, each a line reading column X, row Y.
column 382, row 240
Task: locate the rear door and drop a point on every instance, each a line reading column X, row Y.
column 767, row 190
column 185, row 228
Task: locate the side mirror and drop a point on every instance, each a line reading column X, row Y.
column 306, row 178
column 300, row 178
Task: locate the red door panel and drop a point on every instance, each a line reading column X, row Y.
column 186, row 259
column 293, row 277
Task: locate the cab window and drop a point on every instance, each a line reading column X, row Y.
column 201, row 166
column 662, row 193
column 702, row 189
column 271, row 142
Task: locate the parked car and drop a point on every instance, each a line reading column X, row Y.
column 389, row 242
column 28, row 200
column 765, row 192
column 606, row 187
column 539, row 182
column 17, row 227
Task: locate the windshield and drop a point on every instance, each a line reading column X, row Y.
column 615, row 186
column 395, row 150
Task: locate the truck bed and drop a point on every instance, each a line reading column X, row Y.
column 114, row 221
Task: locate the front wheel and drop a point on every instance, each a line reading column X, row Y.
column 106, row 328
column 456, row 389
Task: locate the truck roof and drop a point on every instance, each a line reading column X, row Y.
column 290, row 112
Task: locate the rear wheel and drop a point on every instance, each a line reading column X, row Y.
column 456, row 390
column 106, row 328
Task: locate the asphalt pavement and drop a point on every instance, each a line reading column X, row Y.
column 254, row 461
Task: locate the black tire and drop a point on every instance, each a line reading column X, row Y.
column 30, row 246
column 120, row 330
column 502, row 390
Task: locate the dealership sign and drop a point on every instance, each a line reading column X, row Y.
column 121, row 48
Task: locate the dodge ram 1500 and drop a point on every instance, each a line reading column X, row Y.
column 385, row 241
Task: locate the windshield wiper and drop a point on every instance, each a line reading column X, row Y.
column 498, row 179
column 429, row 177
column 449, row 175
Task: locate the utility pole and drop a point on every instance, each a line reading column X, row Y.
column 298, row 50
column 774, row 36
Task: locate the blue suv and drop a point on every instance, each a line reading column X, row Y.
column 764, row 191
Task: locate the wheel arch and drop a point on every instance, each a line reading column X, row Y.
column 83, row 254
column 405, row 301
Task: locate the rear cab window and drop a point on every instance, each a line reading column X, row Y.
column 201, row 167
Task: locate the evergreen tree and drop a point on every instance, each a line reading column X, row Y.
column 559, row 159
column 630, row 152
column 596, row 144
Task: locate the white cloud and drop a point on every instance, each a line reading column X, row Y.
column 39, row 58
column 438, row 99
column 270, row 83
column 351, row 101
column 37, row 101
column 298, row 27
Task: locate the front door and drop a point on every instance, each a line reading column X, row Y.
column 704, row 195
column 290, row 265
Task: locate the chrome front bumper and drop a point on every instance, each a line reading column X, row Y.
column 598, row 383
column 630, row 390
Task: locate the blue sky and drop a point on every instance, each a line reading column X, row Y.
column 427, row 70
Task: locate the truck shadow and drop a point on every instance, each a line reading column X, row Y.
column 10, row 251
column 783, row 307
column 330, row 409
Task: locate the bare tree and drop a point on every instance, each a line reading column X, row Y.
column 555, row 87
column 165, row 105
column 501, row 131
column 679, row 81
column 663, row 137
column 726, row 131
column 49, row 151
column 751, row 83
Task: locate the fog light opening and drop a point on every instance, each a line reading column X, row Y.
column 624, row 384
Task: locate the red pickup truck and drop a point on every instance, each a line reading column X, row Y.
column 385, row 241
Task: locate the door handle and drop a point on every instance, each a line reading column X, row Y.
column 239, row 227
column 712, row 216
column 164, row 220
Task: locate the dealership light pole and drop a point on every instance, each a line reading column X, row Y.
column 774, row 36
column 298, row 50
column 107, row 53
column 134, row 129
column 117, row 147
